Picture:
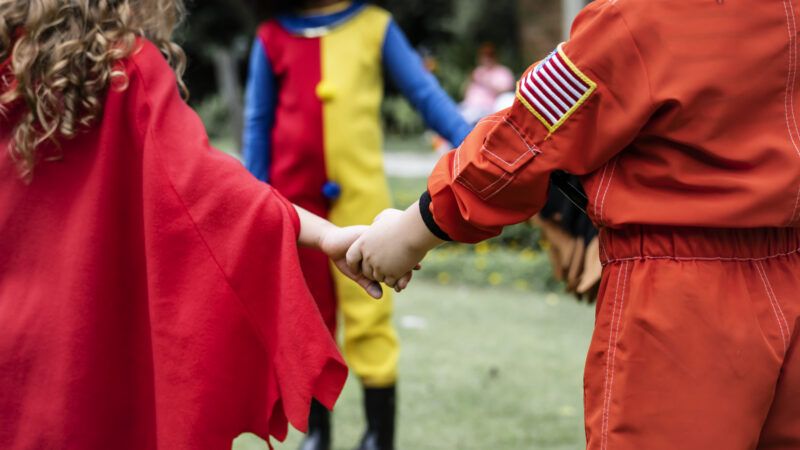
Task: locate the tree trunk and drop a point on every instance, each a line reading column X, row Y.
column 540, row 25
column 569, row 9
column 227, row 70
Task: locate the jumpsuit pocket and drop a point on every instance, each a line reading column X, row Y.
column 503, row 153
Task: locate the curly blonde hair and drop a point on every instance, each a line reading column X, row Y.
column 64, row 54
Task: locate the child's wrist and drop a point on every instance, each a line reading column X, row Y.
column 420, row 238
column 326, row 230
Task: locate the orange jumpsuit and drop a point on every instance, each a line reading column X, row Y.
column 681, row 117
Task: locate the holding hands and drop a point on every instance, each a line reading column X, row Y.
column 387, row 252
column 318, row 233
column 392, row 247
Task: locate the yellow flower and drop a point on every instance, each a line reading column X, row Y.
column 480, row 263
column 482, row 248
column 521, row 285
column 495, row 278
column 444, row 278
column 544, row 244
column 527, row 255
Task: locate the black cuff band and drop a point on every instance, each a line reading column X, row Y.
column 427, row 217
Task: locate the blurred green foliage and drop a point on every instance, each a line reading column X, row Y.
column 213, row 111
column 417, row 143
column 400, row 118
column 454, row 29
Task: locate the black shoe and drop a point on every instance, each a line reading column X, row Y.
column 379, row 405
column 319, row 429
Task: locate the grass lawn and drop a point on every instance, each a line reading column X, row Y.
column 481, row 368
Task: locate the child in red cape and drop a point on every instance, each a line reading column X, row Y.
column 150, row 290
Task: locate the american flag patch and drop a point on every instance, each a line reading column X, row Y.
column 554, row 90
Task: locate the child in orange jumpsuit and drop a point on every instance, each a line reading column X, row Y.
column 688, row 145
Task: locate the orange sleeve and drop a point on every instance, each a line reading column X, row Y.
column 574, row 111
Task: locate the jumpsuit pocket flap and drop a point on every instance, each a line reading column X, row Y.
column 499, row 156
column 506, row 147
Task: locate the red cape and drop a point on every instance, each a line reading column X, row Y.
column 150, row 291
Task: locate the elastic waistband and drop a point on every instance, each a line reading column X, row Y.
column 648, row 242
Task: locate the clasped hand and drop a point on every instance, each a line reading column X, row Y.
column 392, row 248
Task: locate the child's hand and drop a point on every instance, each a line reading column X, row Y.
column 392, row 247
column 318, row 233
column 335, row 243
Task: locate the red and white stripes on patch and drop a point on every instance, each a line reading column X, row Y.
column 554, row 89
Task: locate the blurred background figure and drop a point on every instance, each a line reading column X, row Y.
column 489, row 80
column 313, row 131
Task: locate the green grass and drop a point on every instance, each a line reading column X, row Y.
column 491, row 368
column 488, row 264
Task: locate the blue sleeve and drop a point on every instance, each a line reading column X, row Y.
column 259, row 113
column 420, row 87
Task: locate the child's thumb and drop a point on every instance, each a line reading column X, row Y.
column 373, row 288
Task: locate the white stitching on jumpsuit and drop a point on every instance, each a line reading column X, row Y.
column 616, row 319
column 789, row 95
column 776, row 306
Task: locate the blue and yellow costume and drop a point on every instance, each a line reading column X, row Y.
column 312, row 130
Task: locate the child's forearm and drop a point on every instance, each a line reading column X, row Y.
column 312, row 228
column 418, row 234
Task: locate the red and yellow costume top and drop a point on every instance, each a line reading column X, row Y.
column 313, row 131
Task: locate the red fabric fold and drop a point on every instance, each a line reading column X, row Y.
column 151, row 295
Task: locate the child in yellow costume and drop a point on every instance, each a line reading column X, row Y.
column 313, row 132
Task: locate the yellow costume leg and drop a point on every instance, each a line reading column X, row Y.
column 370, row 340
column 352, row 89
column 371, row 346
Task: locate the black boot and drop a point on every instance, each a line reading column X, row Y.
column 379, row 405
column 319, row 429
